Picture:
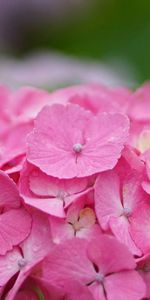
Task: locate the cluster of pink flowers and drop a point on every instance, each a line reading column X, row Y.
column 75, row 194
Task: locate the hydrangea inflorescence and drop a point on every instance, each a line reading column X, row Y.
column 75, row 194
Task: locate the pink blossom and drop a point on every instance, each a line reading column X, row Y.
column 80, row 221
column 117, row 197
column 22, row 259
column 89, row 144
column 94, row 265
column 75, row 194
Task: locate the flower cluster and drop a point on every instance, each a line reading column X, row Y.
column 75, row 194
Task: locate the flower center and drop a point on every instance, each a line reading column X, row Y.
column 61, row 195
column 77, row 148
column 22, row 263
column 127, row 211
column 99, row 277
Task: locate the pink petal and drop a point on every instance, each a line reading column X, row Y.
column 132, row 157
column 9, row 196
column 9, row 265
column 133, row 193
column 28, row 101
column 34, row 249
column 146, row 279
column 144, row 140
column 121, row 229
column 75, row 290
column 97, row 291
column 74, row 209
column 60, row 230
column 107, row 198
column 105, row 137
column 87, row 217
column 44, row 185
column 68, row 261
column 47, row 205
column 100, row 253
column 146, row 186
column 140, row 227
column 146, row 158
column 89, row 233
column 15, row 226
column 38, row 243
column 9, row 142
column 125, row 285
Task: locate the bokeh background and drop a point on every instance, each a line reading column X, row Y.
column 53, row 43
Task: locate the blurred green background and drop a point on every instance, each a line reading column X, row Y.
column 111, row 29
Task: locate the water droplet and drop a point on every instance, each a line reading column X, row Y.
column 9, row 267
column 36, row 248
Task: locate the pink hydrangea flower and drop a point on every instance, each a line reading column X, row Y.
column 75, row 194
column 70, row 135
column 80, row 221
column 118, row 195
column 23, row 258
column 94, row 265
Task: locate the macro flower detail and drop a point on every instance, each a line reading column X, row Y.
column 75, row 194
column 94, row 265
column 70, row 135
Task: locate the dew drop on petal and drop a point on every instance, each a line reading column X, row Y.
column 36, row 248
